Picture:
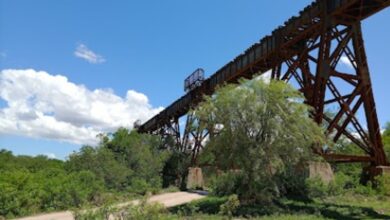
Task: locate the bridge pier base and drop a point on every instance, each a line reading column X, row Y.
column 383, row 170
column 195, row 178
column 321, row 170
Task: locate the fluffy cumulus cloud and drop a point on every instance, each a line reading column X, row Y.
column 49, row 106
column 85, row 53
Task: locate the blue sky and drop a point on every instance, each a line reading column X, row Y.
column 146, row 47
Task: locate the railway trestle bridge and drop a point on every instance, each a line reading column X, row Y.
column 306, row 51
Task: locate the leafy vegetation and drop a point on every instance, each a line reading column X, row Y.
column 347, row 206
column 143, row 210
column 124, row 163
column 266, row 134
column 386, row 140
column 263, row 136
column 30, row 185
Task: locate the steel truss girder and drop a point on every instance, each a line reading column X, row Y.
column 320, row 19
column 331, row 44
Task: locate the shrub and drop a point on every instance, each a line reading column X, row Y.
column 230, row 206
column 144, row 210
column 316, row 188
column 340, row 184
column 176, row 169
column 366, row 190
column 141, row 186
column 383, row 185
column 226, row 184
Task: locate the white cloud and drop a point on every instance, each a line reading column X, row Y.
column 345, row 60
column 50, row 155
column 48, row 106
column 83, row 52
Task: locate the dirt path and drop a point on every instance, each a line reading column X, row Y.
column 167, row 199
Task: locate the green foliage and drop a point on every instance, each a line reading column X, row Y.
column 383, row 185
column 344, row 184
column 346, row 206
column 124, row 162
column 266, row 131
column 316, row 188
column 102, row 163
column 35, row 184
column 208, row 205
column 176, row 169
column 143, row 210
column 226, row 183
column 340, row 184
column 230, row 207
column 386, row 140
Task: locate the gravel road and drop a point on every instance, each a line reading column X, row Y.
column 167, row 199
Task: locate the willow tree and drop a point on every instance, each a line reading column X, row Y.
column 386, row 140
column 263, row 131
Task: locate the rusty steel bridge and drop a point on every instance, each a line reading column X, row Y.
column 306, row 51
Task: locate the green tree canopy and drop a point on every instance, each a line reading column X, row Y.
column 265, row 132
column 124, row 160
column 386, row 140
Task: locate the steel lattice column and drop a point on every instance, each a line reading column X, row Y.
column 375, row 137
column 323, row 51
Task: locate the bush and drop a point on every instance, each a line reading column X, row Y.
column 208, row 205
column 23, row 193
column 176, row 169
column 383, row 185
column 141, row 186
column 226, row 184
column 316, row 188
column 340, row 184
column 126, row 162
column 144, row 210
column 230, row 206
column 366, row 190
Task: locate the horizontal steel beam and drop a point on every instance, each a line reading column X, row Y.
column 339, row 158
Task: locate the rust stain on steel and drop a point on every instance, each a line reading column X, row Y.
column 331, row 29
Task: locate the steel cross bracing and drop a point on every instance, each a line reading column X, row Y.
column 191, row 142
column 305, row 51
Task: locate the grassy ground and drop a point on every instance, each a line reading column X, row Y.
column 348, row 206
column 219, row 217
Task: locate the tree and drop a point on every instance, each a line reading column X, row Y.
column 386, row 140
column 101, row 161
column 265, row 133
column 141, row 154
column 125, row 160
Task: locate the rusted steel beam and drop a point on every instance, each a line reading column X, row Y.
column 302, row 41
column 283, row 37
column 375, row 137
column 338, row 158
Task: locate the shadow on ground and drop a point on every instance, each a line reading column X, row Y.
column 211, row 205
column 334, row 211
